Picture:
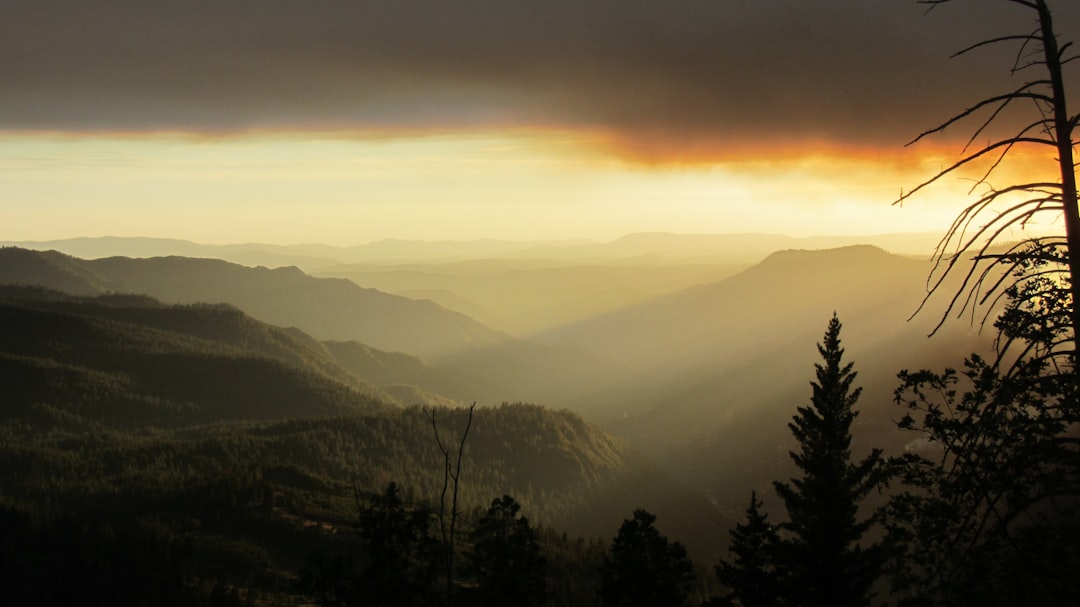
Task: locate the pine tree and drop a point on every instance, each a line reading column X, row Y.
column 990, row 516
column 751, row 574
column 644, row 569
column 506, row 559
column 820, row 560
column 397, row 564
column 401, row 555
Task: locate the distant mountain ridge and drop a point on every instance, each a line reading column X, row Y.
column 734, row 247
column 307, row 256
column 486, row 365
column 790, row 287
column 526, row 297
column 706, row 378
column 718, row 369
column 324, row 308
column 139, row 396
column 395, row 368
column 125, row 359
column 50, row 269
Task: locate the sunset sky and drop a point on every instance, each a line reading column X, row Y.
column 346, row 122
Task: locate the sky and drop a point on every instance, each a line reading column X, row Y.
column 351, row 121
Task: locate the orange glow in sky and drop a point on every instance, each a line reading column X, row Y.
column 518, row 185
column 345, row 122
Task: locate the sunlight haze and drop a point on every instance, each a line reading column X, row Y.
column 345, row 123
column 517, row 186
column 292, row 292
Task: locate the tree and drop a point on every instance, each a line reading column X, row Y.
column 506, row 559
column 1015, row 205
column 990, row 513
column 451, row 475
column 397, row 563
column 820, row 558
column 644, row 569
column 751, row 574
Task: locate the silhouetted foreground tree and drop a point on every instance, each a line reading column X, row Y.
column 820, row 556
column 1049, row 129
column 451, row 482
column 817, row 557
column 644, row 569
column 400, row 563
column 396, row 565
column 751, row 575
column 76, row 562
column 398, row 560
column 507, row 566
column 991, row 513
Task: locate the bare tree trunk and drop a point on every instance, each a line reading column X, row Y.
column 1063, row 129
column 451, row 473
column 985, row 222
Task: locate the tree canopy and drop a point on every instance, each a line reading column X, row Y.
column 751, row 574
column 643, row 568
column 506, row 563
column 989, row 507
column 821, row 558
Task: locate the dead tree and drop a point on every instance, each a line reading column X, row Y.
column 1007, row 465
column 980, row 227
column 451, row 474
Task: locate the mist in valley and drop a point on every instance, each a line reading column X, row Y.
column 660, row 375
column 565, row 305
column 696, row 350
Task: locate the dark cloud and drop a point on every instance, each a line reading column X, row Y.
column 699, row 73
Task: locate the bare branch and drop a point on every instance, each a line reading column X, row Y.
column 1061, row 51
column 1025, row 37
column 964, row 219
column 973, row 157
column 451, row 472
column 988, row 233
column 1031, row 5
column 986, row 123
column 446, row 477
column 1005, row 152
column 1020, row 93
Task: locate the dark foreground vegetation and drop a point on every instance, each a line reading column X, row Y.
column 189, row 455
column 217, row 459
column 146, row 487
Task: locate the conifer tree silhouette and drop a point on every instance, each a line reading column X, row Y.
column 506, row 559
column 750, row 575
column 643, row 568
column 401, row 555
column 820, row 561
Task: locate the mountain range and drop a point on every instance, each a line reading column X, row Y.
column 499, row 367
column 121, row 358
column 719, row 369
column 739, row 248
column 702, row 379
column 159, row 383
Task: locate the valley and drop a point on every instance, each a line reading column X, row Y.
column 662, row 380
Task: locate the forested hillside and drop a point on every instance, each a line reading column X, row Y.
column 238, row 447
column 325, row 308
column 131, row 360
column 719, row 368
column 678, row 376
column 496, row 366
